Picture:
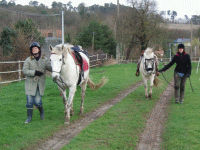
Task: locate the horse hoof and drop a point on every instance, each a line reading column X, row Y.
column 80, row 113
column 150, row 96
column 66, row 122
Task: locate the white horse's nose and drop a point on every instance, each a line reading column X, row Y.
column 55, row 76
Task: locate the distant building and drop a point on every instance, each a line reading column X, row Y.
column 184, row 41
column 52, row 37
column 51, row 33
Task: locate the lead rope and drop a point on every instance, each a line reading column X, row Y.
column 191, row 85
column 168, row 81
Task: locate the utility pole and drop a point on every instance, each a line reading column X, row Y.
column 117, row 33
column 191, row 39
column 62, row 27
column 170, row 52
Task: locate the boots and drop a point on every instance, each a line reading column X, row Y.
column 41, row 112
column 29, row 114
column 137, row 73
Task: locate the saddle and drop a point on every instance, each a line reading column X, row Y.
column 80, row 61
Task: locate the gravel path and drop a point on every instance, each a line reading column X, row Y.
column 151, row 137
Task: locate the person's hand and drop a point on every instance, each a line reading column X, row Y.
column 188, row 75
column 38, row 73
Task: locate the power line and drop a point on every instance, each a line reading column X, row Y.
column 27, row 13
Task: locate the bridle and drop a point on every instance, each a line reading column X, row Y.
column 60, row 79
column 152, row 61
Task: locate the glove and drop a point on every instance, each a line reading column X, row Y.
column 38, row 73
column 160, row 71
column 188, row 75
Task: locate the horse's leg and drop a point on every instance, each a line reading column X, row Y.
column 83, row 89
column 63, row 93
column 151, row 85
column 69, row 103
column 146, row 88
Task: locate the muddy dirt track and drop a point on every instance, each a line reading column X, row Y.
column 150, row 138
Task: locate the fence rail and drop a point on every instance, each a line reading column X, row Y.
column 93, row 58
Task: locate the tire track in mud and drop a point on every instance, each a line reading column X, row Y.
column 64, row 136
column 151, row 137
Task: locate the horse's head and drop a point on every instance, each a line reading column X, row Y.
column 57, row 61
column 149, row 60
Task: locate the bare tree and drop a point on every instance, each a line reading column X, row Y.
column 142, row 24
column 173, row 15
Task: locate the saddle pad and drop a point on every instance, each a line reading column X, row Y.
column 85, row 64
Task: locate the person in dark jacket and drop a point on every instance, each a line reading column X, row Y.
column 181, row 72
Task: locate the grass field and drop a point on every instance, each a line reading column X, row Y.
column 119, row 128
column 182, row 130
column 15, row 134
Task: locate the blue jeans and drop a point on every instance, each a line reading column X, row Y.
column 36, row 100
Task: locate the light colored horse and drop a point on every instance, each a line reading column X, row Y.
column 65, row 72
column 148, row 70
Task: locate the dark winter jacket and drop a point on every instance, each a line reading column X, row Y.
column 183, row 63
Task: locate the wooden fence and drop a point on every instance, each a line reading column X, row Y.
column 94, row 60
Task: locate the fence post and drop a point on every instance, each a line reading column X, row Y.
column 97, row 59
column 106, row 56
column 19, row 70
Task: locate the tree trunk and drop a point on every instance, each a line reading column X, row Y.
column 131, row 45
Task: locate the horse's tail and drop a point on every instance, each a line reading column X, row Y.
column 94, row 86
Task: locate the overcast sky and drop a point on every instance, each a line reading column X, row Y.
column 182, row 7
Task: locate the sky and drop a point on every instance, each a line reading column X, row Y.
column 182, row 7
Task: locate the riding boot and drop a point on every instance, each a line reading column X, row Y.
column 41, row 112
column 138, row 67
column 137, row 73
column 82, row 71
column 157, row 73
column 29, row 114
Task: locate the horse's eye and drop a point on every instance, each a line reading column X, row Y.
column 60, row 59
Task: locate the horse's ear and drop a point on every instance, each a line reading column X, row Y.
column 50, row 48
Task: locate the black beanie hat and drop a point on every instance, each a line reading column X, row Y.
column 181, row 46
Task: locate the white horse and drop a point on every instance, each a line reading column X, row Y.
column 65, row 72
column 148, row 65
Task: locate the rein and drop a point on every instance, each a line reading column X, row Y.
column 63, row 84
column 153, row 63
column 174, row 85
column 60, row 79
